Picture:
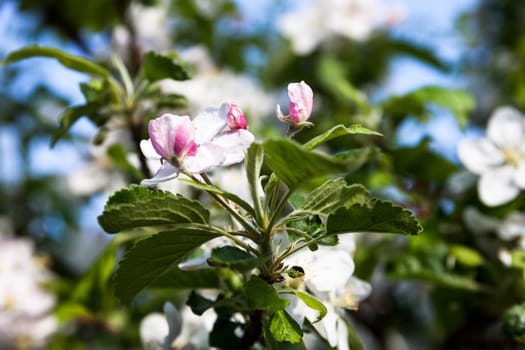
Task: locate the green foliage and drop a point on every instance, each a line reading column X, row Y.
column 284, row 328
column 77, row 63
column 294, row 164
column 514, row 323
column 138, row 206
column 235, row 258
column 152, row 257
column 312, row 303
column 262, row 296
column 417, row 102
column 157, row 66
column 373, row 216
column 337, row 131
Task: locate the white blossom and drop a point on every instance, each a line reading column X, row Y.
column 498, row 158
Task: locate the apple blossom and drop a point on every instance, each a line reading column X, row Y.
column 301, row 105
column 194, row 146
column 236, row 118
column 498, row 158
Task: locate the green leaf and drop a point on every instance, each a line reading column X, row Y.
column 119, row 156
column 138, row 206
column 77, row 63
column 262, row 296
column 336, row 131
column 312, row 303
column 157, row 66
column 333, row 194
column 284, row 328
column 198, row 303
column 271, row 344
column 150, row 258
column 466, row 256
column 254, row 161
column 374, row 216
column 182, row 279
column 459, row 102
column 354, row 341
column 69, row 117
column 293, row 164
column 235, row 258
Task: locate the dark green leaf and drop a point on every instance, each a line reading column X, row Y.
column 336, row 131
column 235, row 258
column 157, row 66
column 374, row 216
column 293, row 164
column 513, row 323
column 284, row 328
column 69, row 117
column 262, row 296
column 182, row 279
column 150, row 258
column 138, row 206
column 198, row 303
column 77, row 63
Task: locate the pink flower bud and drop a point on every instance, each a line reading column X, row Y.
column 301, row 102
column 172, row 136
column 236, row 119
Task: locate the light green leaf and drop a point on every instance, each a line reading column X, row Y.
column 284, row 328
column 262, row 296
column 138, row 206
column 150, row 258
column 374, row 216
column 339, row 130
column 272, row 344
column 466, row 256
column 293, row 164
column 77, row 63
column 235, row 258
column 254, row 161
column 312, row 303
column 333, row 194
column 157, row 66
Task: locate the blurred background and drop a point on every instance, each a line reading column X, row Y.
column 425, row 74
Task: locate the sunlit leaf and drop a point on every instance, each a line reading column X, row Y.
column 157, row 66
column 262, row 296
column 284, row 328
column 337, row 131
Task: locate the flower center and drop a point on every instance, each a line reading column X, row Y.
column 512, row 156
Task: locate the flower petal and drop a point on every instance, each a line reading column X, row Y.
column 479, row 155
column 519, row 174
column 210, row 122
column 234, row 145
column 165, row 173
column 497, row 186
column 301, row 101
column 146, row 146
column 506, row 127
column 208, row 156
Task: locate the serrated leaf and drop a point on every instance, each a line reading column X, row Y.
column 150, row 258
column 374, row 216
column 77, row 63
column 284, row 328
column 138, row 206
column 235, row 258
column 333, row 194
column 262, row 296
column 157, row 66
column 337, row 131
column 313, row 303
column 293, row 164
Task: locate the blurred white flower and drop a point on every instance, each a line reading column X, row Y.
column 210, row 86
column 498, row 158
column 176, row 330
column 513, row 228
column 318, row 20
column 26, row 319
column 328, row 275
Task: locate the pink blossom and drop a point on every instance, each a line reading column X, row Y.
column 194, row 146
column 236, row 118
column 301, row 104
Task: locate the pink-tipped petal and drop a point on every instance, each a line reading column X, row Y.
column 171, row 135
column 301, row 101
column 236, row 118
